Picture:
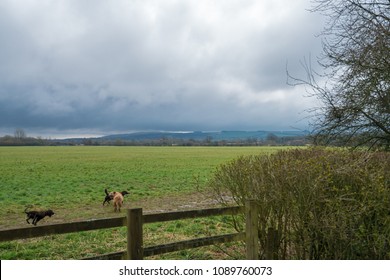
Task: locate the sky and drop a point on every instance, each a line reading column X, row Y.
column 96, row 67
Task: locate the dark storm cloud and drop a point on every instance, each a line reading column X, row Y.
column 107, row 66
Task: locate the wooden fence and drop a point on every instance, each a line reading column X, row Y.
column 134, row 222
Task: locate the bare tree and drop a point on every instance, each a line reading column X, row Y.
column 354, row 90
column 19, row 134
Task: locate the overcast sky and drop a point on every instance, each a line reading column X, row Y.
column 100, row 67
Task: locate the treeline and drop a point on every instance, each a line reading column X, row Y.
column 270, row 140
column 278, row 141
column 22, row 141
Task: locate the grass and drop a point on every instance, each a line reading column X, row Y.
column 71, row 181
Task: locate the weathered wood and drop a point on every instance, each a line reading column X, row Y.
column 109, row 256
column 251, row 229
column 179, row 215
column 272, row 244
column 134, row 234
column 175, row 246
column 37, row 231
column 193, row 243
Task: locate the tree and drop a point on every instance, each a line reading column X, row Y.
column 19, row 134
column 272, row 138
column 354, row 90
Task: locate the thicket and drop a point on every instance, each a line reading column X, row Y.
column 322, row 203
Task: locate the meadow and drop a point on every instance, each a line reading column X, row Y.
column 71, row 181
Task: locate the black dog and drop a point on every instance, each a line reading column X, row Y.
column 36, row 216
column 110, row 195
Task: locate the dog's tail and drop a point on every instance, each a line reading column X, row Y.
column 106, row 191
column 29, row 206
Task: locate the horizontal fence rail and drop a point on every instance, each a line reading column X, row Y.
column 179, row 215
column 38, row 231
column 175, row 246
column 193, row 243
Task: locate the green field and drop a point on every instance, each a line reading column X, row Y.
column 71, row 181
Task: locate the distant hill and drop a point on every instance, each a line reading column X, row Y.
column 295, row 138
column 202, row 135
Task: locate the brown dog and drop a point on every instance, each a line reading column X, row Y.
column 110, row 195
column 118, row 201
column 36, row 216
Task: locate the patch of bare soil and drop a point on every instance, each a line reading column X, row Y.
column 197, row 200
column 175, row 203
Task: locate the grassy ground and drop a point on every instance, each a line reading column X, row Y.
column 71, row 181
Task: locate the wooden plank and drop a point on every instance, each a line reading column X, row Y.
column 38, row 231
column 176, row 246
column 193, row 243
column 109, row 256
column 178, row 215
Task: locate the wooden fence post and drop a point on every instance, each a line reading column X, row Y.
column 251, row 229
column 135, row 234
column 272, row 244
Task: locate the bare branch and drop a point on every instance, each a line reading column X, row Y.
column 355, row 96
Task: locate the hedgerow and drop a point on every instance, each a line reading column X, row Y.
column 323, row 203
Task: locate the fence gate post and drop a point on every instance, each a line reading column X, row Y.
column 135, row 250
column 251, row 229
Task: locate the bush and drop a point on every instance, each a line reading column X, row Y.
column 323, row 203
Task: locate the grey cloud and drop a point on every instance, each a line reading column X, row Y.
column 166, row 65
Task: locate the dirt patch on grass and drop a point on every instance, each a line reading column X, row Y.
column 175, row 202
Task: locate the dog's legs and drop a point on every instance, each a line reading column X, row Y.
column 37, row 219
